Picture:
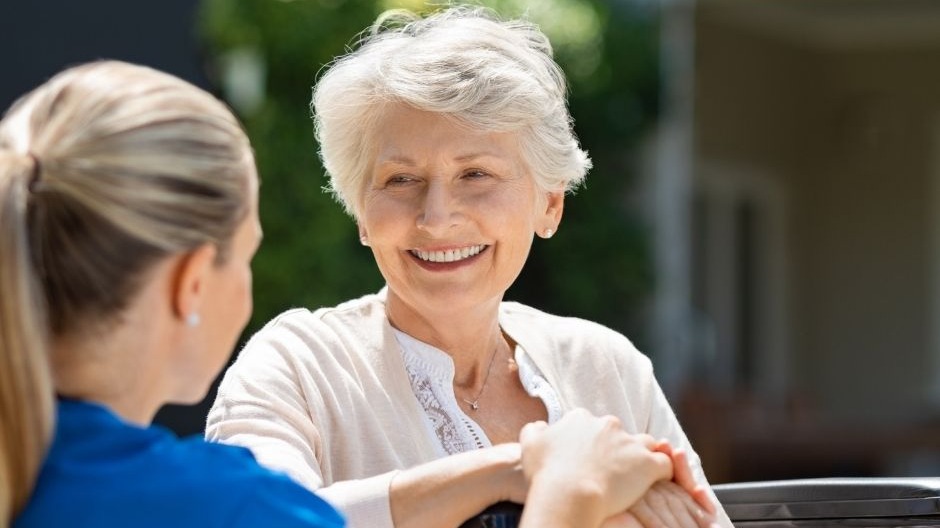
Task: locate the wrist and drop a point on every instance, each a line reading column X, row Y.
column 555, row 500
column 506, row 476
column 459, row 486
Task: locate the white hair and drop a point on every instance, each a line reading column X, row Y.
column 462, row 62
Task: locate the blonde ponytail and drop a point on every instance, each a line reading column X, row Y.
column 26, row 393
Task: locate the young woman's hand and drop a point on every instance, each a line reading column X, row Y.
column 585, row 469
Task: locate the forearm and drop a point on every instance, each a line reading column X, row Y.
column 445, row 492
column 556, row 504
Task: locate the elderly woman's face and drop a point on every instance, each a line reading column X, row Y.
column 450, row 212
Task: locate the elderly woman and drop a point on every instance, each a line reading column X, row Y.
column 449, row 141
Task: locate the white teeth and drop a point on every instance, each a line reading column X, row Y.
column 451, row 255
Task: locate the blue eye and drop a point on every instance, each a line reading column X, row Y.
column 399, row 179
column 475, row 174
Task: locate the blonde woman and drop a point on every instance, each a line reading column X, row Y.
column 128, row 220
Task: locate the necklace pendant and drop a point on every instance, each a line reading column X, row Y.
column 474, row 405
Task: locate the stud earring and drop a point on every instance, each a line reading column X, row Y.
column 364, row 240
column 548, row 233
column 193, row 320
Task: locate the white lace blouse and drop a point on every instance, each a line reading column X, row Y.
column 431, row 372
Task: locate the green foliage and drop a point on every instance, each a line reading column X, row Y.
column 596, row 267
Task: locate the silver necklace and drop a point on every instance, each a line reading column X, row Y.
column 475, row 404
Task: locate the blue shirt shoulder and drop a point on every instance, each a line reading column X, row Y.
column 104, row 472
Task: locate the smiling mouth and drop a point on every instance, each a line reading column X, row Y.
column 450, row 255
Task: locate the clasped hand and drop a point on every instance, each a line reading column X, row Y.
column 587, row 471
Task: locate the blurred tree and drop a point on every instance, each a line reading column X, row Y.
column 265, row 55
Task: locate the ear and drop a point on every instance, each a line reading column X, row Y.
column 192, row 273
column 363, row 236
column 551, row 216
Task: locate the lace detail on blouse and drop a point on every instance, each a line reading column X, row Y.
column 431, row 372
column 440, row 420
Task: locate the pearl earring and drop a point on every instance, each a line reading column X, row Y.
column 548, row 233
column 193, row 320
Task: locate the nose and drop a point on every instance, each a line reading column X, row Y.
column 439, row 210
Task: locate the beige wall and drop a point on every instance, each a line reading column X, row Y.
column 847, row 134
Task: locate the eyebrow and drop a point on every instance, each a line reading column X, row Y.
column 396, row 160
column 477, row 155
column 404, row 160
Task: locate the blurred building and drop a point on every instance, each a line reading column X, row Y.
column 40, row 38
column 794, row 184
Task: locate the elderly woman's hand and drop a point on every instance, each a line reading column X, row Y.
column 682, row 475
column 665, row 505
column 585, row 469
column 680, row 503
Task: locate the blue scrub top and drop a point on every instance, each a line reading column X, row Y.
column 104, row 472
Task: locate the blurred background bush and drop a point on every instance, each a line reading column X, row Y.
column 265, row 56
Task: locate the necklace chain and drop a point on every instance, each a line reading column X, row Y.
column 475, row 404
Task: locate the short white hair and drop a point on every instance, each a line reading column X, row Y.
column 463, row 62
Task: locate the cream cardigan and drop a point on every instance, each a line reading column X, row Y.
column 324, row 396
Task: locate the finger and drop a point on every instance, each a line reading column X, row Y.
column 663, row 466
column 682, row 471
column 681, row 505
column 577, row 413
column 704, row 517
column 683, row 476
column 704, row 499
column 662, row 446
column 666, row 499
column 709, row 521
column 648, row 442
column 532, row 430
column 646, row 516
column 612, row 421
column 622, row 520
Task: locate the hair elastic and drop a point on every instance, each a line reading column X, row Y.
column 36, row 171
